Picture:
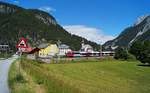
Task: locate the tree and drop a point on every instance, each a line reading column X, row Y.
column 121, row 53
column 141, row 50
column 136, row 49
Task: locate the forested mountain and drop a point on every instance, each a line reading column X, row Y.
column 38, row 26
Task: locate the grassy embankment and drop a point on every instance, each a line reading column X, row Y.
column 22, row 82
column 5, row 55
column 105, row 76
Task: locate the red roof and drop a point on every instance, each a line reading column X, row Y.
column 34, row 50
column 28, row 49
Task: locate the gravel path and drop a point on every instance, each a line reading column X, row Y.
column 4, row 69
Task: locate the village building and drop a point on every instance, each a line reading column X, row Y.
column 86, row 47
column 48, row 50
column 64, row 49
column 44, row 52
column 4, row 48
column 33, row 54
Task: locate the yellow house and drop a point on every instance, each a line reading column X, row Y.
column 49, row 50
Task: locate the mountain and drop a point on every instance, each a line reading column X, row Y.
column 139, row 31
column 38, row 26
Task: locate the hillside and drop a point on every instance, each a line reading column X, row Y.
column 139, row 31
column 38, row 26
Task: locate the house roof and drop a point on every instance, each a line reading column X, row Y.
column 34, row 50
column 64, row 46
column 28, row 49
column 43, row 45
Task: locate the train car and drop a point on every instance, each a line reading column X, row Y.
column 89, row 54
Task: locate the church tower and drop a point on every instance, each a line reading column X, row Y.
column 82, row 43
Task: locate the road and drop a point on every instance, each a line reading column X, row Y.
column 4, row 69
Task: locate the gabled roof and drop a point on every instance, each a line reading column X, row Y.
column 43, row 45
column 64, row 46
column 34, row 50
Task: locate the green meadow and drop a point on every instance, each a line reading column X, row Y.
column 103, row 76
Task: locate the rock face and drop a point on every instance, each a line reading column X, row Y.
column 5, row 9
column 35, row 25
column 139, row 31
column 44, row 17
column 140, row 19
column 8, row 8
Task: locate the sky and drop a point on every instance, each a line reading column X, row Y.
column 96, row 20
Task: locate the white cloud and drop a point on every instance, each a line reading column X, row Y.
column 47, row 9
column 16, row 2
column 90, row 33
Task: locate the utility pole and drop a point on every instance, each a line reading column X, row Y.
column 20, row 55
column 58, row 56
column 22, row 45
column 101, row 51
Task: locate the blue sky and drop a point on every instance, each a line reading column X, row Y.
column 106, row 18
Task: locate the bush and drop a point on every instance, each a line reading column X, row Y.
column 131, row 57
column 20, row 78
column 121, row 53
column 141, row 50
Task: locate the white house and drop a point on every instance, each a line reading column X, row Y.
column 63, row 49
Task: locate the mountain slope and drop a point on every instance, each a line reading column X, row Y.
column 37, row 26
column 139, row 31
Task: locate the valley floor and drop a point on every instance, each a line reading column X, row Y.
column 105, row 76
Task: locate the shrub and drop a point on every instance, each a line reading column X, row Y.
column 131, row 57
column 121, row 53
column 141, row 50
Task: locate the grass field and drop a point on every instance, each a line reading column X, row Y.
column 106, row 76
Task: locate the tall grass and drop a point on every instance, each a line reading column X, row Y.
column 17, row 81
column 104, row 76
column 21, row 82
column 41, row 76
column 84, row 76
